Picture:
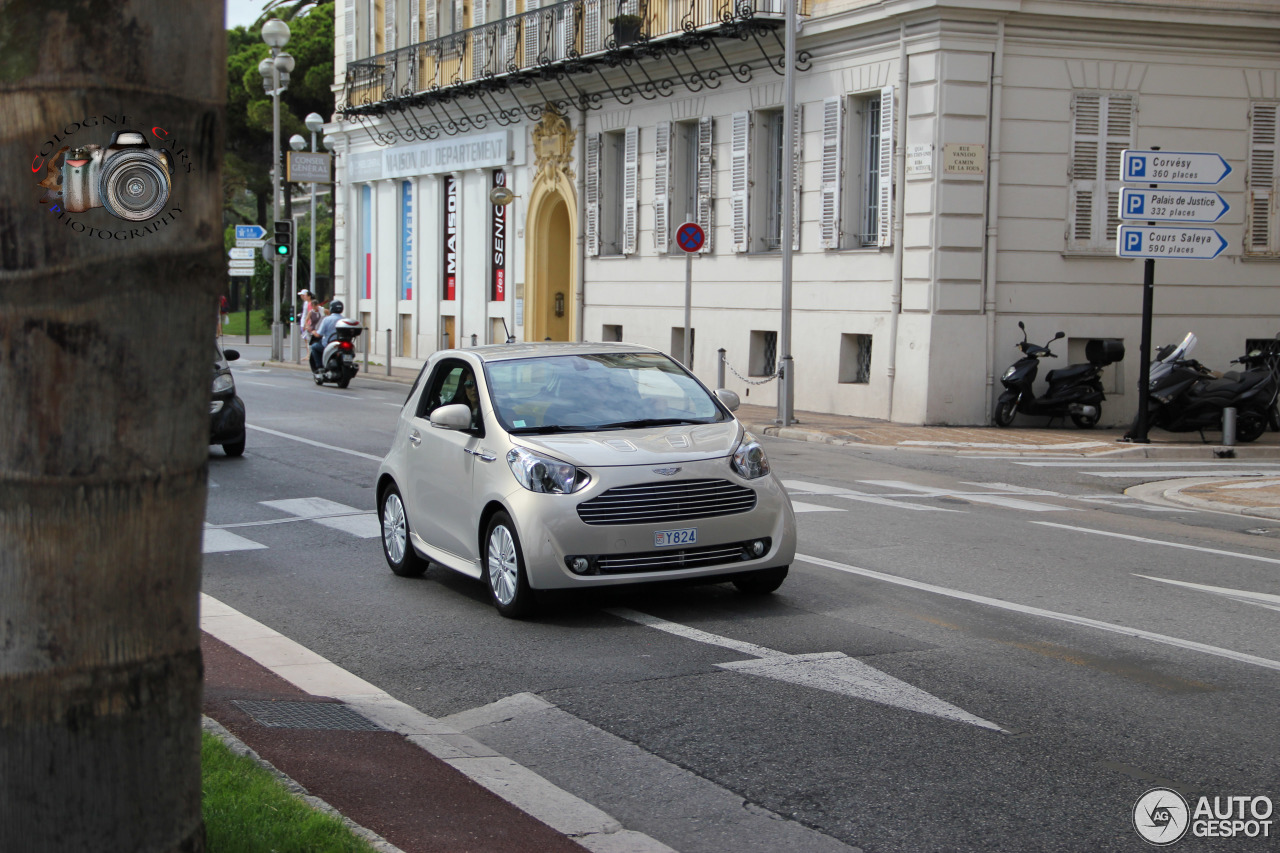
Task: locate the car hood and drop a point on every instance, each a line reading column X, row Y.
column 652, row 446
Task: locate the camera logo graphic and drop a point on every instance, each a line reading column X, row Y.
column 1161, row 816
column 129, row 178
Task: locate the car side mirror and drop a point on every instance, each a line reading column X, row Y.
column 231, row 354
column 730, row 399
column 456, row 416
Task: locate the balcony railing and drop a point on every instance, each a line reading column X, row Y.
column 578, row 53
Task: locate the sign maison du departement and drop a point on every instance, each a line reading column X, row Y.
column 455, row 154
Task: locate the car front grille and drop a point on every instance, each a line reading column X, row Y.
column 670, row 561
column 667, row 502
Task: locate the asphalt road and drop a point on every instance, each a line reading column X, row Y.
column 970, row 654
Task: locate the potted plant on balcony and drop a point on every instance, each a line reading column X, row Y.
column 626, row 28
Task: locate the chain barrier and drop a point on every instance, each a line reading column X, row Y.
column 764, row 381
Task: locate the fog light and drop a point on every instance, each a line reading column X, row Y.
column 757, row 548
column 579, row 565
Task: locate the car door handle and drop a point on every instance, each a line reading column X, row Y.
column 415, row 438
column 483, row 455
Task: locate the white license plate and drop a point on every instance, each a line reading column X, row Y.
column 683, row 536
column 348, row 358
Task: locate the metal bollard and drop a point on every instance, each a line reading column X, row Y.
column 1229, row 427
column 368, row 343
column 388, row 352
column 720, row 368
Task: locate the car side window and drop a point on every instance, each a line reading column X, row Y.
column 441, row 388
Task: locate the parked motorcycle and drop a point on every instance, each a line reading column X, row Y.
column 1185, row 396
column 1075, row 391
column 338, row 362
column 1267, row 358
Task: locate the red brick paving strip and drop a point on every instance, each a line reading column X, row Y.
column 378, row 779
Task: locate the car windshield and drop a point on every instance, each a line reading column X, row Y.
column 600, row 391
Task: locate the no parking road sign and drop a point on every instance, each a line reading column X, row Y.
column 690, row 237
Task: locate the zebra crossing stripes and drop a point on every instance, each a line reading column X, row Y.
column 920, row 498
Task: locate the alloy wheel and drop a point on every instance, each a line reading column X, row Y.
column 394, row 530
column 503, row 565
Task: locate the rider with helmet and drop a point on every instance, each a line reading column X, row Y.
column 326, row 331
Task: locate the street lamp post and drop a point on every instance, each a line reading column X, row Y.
column 330, row 145
column 297, row 143
column 314, row 123
column 276, row 34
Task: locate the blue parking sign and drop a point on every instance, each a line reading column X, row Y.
column 1137, row 167
column 1133, row 241
column 1135, row 203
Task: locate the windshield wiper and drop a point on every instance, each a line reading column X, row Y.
column 648, row 422
column 549, row 429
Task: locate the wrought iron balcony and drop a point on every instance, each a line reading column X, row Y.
column 569, row 55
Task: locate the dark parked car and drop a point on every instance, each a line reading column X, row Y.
column 226, row 410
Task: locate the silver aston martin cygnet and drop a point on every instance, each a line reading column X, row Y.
column 556, row 466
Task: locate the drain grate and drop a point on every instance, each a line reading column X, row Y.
column 305, row 715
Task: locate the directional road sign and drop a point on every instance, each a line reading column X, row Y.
column 241, row 264
column 1199, row 244
column 241, row 253
column 1173, row 167
column 1172, row 205
column 690, row 237
column 235, row 272
column 250, row 244
column 250, row 232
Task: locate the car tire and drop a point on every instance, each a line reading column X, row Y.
column 234, row 448
column 761, row 581
column 397, row 547
column 504, row 572
column 1005, row 410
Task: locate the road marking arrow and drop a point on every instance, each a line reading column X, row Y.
column 834, row 672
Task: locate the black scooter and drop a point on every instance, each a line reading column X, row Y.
column 1184, row 396
column 1074, row 391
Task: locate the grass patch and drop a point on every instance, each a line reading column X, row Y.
column 248, row 810
column 259, row 323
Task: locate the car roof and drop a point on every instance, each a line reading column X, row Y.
column 547, row 349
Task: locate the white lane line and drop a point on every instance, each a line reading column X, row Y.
column 801, row 506
column 1148, row 464
column 1239, row 657
column 348, row 519
column 320, row 444
column 1262, row 599
column 975, row 497
column 518, row 785
column 1075, row 445
column 217, row 541
column 1146, row 541
column 834, row 672
column 1176, row 474
column 802, row 487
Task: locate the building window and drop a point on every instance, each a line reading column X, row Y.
column 677, row 344
column 855, row 359
column 1102, row 126
column 611, row 333
column 857, row 171
column 763, row 358
column 1262, row 233
column 756, row 161
column 612, row 204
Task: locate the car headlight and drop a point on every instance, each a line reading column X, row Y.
column 222, row 383
column 542, row 474
column 1009, row 372
column 749, row 459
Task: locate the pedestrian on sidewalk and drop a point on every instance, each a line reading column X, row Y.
column 310, row 321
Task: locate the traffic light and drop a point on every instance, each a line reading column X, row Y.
column 284, row 239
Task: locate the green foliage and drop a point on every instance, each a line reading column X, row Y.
column 247, row 810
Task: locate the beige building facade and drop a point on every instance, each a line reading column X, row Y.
column 958, row 171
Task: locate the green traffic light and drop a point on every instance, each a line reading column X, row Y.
column 282, row 250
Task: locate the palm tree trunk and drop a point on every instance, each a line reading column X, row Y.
column 105, row 347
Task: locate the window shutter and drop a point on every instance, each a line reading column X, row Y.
column 349, row 30
column 1083, row 170
column 532, row 33
column 740, row 179
column 797, row 169
column 564, row 40
column 592, row 35
column 705, row 187
column 630, row 187
column 414, row 37
column 661, row 185
column 459, row 17
column 478, row 53
column 885, row 203
column 388, row 25
column 832, row 168
column 509, row 31
column 433, row 19
column 593, row 195
column 1260, row 183
column 1119, row 136
column 372, row 6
